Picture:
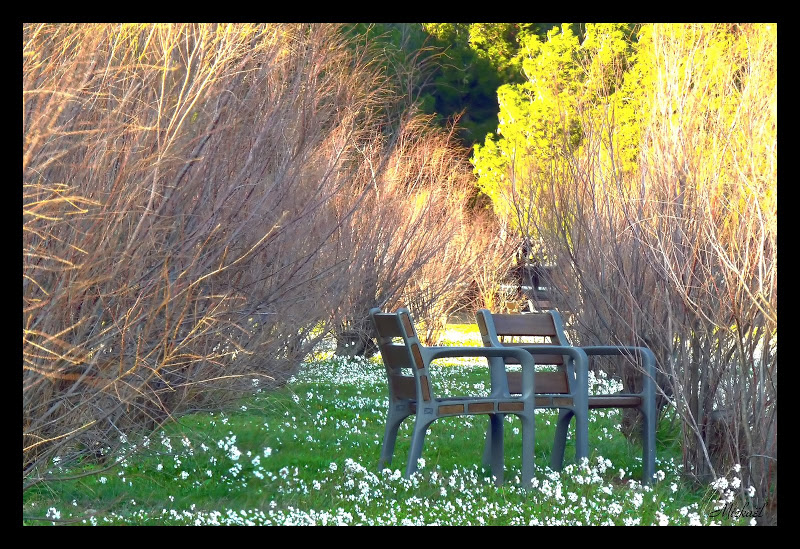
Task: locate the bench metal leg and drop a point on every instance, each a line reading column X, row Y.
column 581, row 436
column 487, row 447
column 528, row 449
column 649, row 416
column 495, row 447
column 417, row 441
column 560, row 440
column 393, row 422
column 648, row 445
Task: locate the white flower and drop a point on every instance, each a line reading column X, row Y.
column 621, row 474
column 103, row 480
column 737, row 467
column 53, row 513
column 751, row 491
column 333, row 467
column 673, row 487
column 421, row 463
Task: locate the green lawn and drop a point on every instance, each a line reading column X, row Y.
column 307, row 454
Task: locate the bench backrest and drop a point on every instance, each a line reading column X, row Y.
column 406, row 371
column 516, row 330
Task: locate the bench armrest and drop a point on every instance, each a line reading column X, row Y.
column 525, row 359
column 576, row 353
column 647, row 356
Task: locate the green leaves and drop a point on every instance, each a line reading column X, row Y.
column 570, row 84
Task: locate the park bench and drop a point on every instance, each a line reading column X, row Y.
column 412, row 391
column 567, row 387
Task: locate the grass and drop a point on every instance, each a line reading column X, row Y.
column 306, row 455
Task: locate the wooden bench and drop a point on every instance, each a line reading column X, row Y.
column 413, row 392
column 561, row 388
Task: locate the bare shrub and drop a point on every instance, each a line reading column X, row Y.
column 176, row 232
column 714, row 244
column 406, row 244
column 493, row 285
column 680, row 254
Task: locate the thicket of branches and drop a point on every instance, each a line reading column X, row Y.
column 677, row 251
column 414, row 242
column 201, row 203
